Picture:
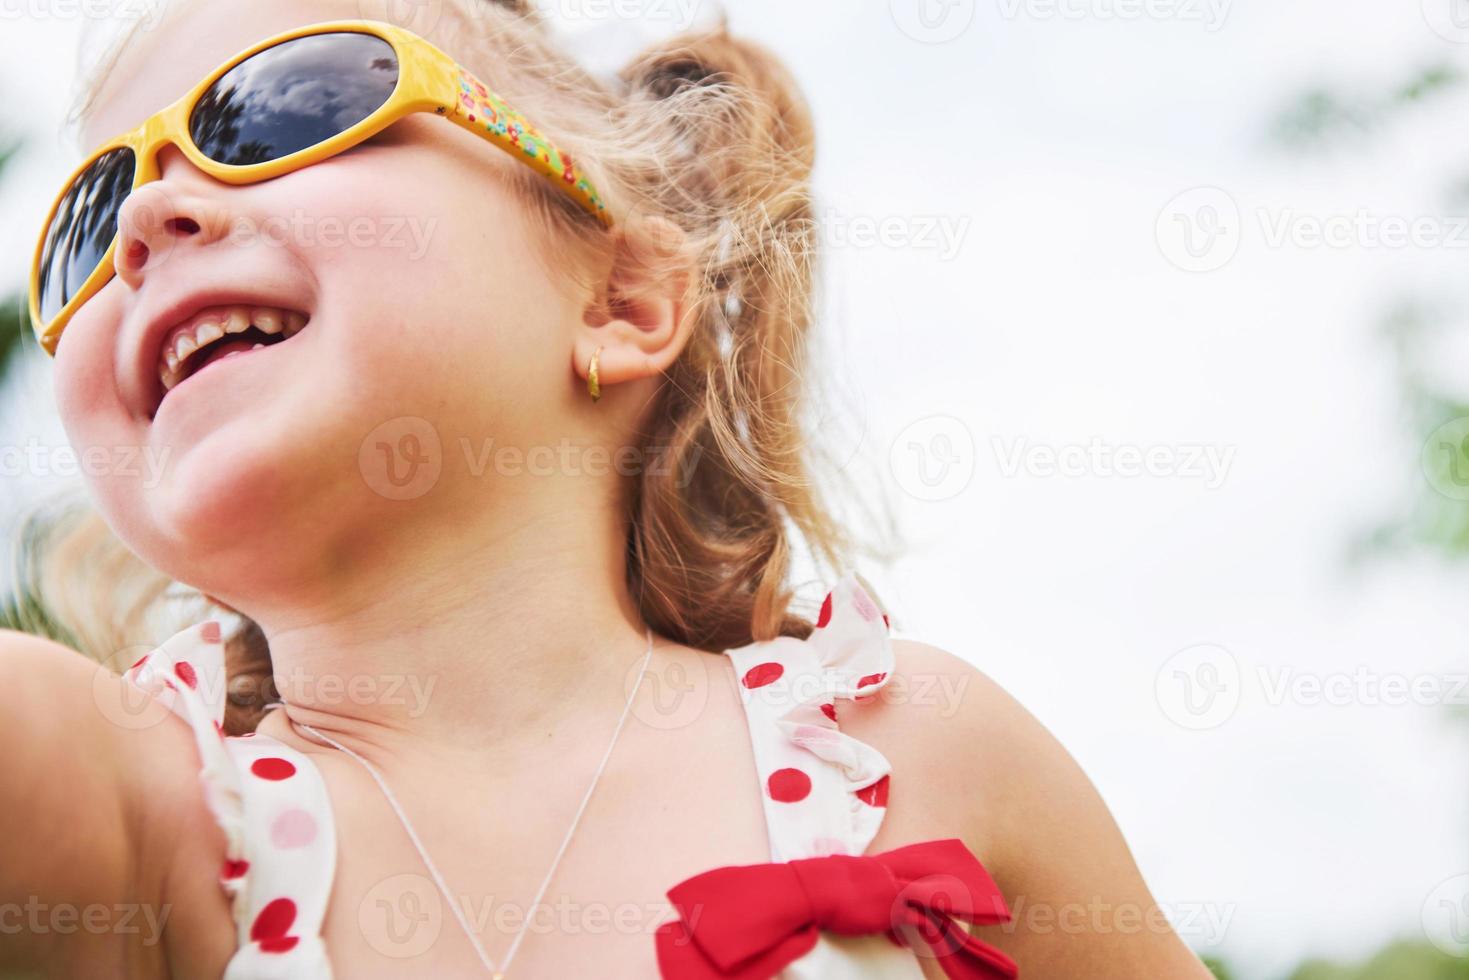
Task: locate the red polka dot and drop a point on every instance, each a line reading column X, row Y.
column 186, row 673
column 885, row 621
column 272, row 924
column 863, row 682
column 210, row 632
column 825, row 616
column 234, row 869
column 830, row 710
column 140, row 661
column 788, row 785
column 273, row 769
column 876, row 794
column 762, row 674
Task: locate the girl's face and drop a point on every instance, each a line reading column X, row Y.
column 435, row 336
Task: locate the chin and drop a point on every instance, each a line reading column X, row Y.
column 230, row 490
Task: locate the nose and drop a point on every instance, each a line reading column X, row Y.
column 182, row 205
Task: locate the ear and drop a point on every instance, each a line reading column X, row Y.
column 640, row 314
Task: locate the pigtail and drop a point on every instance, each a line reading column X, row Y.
column 710, row 543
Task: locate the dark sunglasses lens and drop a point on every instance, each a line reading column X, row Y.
column 82, row 229
column 292, row 96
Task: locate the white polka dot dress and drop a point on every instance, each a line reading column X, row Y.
column 823, row 791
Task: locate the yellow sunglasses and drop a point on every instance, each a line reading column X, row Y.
column 285, row 103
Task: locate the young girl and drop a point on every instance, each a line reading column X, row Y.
column 506, row 525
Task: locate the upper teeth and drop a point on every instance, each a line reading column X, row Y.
column 212, row 324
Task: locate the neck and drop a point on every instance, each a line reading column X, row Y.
column 503, row 637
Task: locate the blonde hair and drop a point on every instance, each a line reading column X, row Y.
column 708, row 131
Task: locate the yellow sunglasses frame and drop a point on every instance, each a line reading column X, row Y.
column 428, row 81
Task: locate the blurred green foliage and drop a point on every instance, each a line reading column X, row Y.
column 1402, row 960
column 1321, row 115
column 1218, row 968
column 10, row 300
column 1412, row 328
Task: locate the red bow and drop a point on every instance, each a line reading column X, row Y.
column 750, row 921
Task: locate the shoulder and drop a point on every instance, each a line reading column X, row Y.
column 970, row 761
column 97, row 768
column 963, row 746
column 983, row 764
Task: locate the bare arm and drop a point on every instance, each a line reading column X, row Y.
column 105, row 845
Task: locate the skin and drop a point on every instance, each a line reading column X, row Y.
column 503, row 590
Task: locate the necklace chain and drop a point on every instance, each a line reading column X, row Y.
column 484, row 958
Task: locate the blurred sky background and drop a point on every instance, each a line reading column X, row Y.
column 1081, row 201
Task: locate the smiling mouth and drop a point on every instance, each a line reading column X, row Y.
column 220, row 332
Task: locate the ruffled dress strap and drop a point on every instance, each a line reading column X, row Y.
column 823, row 791
column 271, row 803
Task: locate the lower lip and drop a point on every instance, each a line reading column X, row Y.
column 232, row 356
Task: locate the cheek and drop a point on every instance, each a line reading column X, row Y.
column 119, row 467
column 442, row 304
column 85, row 366
column 97, row 423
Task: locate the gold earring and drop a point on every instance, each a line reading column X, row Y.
column 594, row 387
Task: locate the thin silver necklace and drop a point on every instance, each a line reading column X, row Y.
column 484, row 958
